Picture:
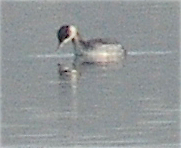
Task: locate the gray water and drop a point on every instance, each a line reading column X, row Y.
column 130, row 103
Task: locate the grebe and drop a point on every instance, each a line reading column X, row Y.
column 93, row 47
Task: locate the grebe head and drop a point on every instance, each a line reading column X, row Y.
column 65, row 34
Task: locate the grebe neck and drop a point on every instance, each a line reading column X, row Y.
column 77, row 42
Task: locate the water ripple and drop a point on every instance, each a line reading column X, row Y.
column 132, row 53
column 69, row 55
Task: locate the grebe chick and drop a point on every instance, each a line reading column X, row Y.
column 91, row 47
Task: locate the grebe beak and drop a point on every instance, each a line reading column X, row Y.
column 60, row 45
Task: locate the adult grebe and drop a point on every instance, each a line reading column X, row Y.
column 93, row 47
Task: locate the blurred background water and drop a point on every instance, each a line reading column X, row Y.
column 131, row 103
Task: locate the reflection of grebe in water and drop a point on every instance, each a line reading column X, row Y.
column 66, row 71
column 63, row 70
column 93, row 47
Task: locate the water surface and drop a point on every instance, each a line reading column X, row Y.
column 132, row 103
